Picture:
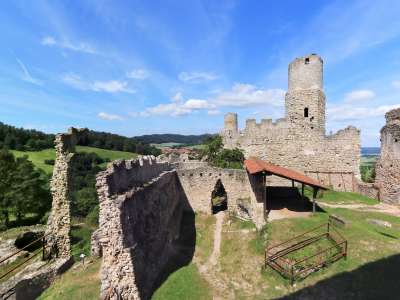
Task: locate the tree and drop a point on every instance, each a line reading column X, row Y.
column 222, row 158
column 7, row 174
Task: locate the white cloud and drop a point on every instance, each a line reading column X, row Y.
column 109, row 117
column 111, row 86
column 65, row 44
column 177, row 107
column 248, row 95
column 197, row 104
column 359, row 95
column 138, row 74
column 195, row 77
column 350, row 112
column 396, row 84
column 26, row 76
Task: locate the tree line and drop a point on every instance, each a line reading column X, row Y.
column 21, row 139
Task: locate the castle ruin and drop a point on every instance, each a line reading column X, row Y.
column 299, row 140
column 388, row 165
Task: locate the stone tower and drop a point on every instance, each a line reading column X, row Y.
column 388, row 165
column 305, row 98
column 230, row 125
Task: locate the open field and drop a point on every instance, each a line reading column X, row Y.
column 38, row 157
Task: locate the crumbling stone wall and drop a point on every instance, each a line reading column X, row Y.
column 299, row 140
column 244, row 191
column 58, row 242
column 388, row 164
column 146, row 227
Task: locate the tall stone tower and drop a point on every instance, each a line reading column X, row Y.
column 305, row 98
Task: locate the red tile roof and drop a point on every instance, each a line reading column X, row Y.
column 256, row 165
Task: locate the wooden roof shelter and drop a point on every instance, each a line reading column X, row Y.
column 256, row 166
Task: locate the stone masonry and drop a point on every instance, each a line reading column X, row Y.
column 388, row 165
column 58, row 244
column 146, row 227
column 298, row 141
column 146, row 221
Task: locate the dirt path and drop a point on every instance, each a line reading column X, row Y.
column 380, row 207
column 217, row 239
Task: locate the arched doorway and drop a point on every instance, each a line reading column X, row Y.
column 219, row 199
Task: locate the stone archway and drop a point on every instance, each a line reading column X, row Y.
column 219, row 198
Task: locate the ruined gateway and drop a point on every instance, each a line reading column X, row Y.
column 299, row 140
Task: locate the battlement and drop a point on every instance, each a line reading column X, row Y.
column 123, row 175
column 349, row 132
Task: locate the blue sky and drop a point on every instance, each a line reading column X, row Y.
column 140, row 67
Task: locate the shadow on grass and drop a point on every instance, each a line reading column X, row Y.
column 375, row 280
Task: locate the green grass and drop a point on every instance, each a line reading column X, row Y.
column 82, row 283
column 366, row 242
column 335, row 197
column 186, row 283
column 369, row 160
column 38, row 157
column 80, row 238
column 164, row 145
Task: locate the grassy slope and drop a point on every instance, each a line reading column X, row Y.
column 38, row 157
column 81, row 283
column 334, row 197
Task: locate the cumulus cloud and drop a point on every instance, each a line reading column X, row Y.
column 111, row 86
column 350, row 112
column 26, row 76
column 359, row 95
column 139, row 74
column 50, row 41
column 195, row 77
column 177, row 107
column 243, row 94
column 110, row 117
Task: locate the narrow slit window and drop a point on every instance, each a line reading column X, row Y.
column 306, row 112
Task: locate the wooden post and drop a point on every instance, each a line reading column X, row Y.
column 302, row 192
column 315, row 191
column 264, row 183
column 292, row 183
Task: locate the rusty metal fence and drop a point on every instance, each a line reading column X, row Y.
column 30, row 257
column 286, row 258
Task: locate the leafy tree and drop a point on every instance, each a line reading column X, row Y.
column 23, row 189
column 222, row 158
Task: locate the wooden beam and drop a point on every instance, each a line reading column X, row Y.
column 315, row 191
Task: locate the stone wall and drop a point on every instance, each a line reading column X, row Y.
column 244, row 192
column 58, row 225
column 299, row 141
column 146, row 227
column 388, row 164
column 368, row 189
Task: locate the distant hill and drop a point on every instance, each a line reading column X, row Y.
column 370, row 151
column 173, row 138
column 21, row 139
